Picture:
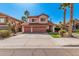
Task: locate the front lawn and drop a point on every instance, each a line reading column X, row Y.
column 77, row 31
column 54, row 35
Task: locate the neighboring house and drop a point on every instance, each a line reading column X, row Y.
column 75, row 25
column 51, row 26
column 5, row 18
column 38, row 23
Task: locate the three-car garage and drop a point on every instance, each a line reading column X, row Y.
column 35, row 29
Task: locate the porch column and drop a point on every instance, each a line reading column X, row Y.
column 23, row 29
column 53, row 28
column 31, row 29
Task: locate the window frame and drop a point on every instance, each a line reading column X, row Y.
column 33, row 20
column 43, row 19
column 2, row 20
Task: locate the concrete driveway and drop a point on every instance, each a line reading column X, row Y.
column 27, row 40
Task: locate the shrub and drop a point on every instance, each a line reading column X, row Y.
column 55, row 33
column 56, row 36
column 4, row 33
column 57, row 29
column 63, row 31
column 48, row 30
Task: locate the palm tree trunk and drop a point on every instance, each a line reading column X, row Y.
column 64, row 17
column 71, row 19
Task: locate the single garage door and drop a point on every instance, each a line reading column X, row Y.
column 38, row 29
column 27, row 29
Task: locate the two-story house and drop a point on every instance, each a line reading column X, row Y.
column 37, row 24
column 75, row 25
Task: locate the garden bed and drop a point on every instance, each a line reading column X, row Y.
column 76, row 31
column 54, row 35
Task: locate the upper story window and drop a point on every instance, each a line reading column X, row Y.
column 2, row 20
column 33, row 20
column 43, row 19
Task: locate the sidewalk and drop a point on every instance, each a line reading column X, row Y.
column 40, row 52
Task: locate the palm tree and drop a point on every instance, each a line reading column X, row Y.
column 71, row 19
column 70, row 5
column 63, row 6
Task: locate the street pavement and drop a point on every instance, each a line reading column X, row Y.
column 38, row 44
column 40, row 52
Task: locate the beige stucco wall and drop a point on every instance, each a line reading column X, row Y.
column 30, row 20
column 38, row 20
column 43, row 16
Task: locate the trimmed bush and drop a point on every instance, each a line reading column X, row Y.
column 57, row 29
column 54, row 35
column 62, row 32
column 4, row 33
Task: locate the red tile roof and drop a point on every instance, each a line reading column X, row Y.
column 50, row 23
column 33, row 16
column 9, row 16
column 37, row 16
column 38, row 23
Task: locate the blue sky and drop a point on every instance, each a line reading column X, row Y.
column 52, row 9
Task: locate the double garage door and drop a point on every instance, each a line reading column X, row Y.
column 34, row 29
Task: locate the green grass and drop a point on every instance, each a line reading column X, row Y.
column 54, row 35
column 77, row 31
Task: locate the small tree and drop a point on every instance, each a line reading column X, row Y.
column 25, row 17
column 62, row 29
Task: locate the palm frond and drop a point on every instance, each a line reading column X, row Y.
column 23, row 18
